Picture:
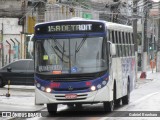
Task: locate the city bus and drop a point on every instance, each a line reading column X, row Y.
column 79, row 61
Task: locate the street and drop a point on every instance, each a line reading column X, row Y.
column 145, row 97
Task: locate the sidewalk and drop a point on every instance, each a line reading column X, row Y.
column 21, row 99
column 150, row 76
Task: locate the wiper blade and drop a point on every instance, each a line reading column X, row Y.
column 79, row 47
column 58, row 44
column 61, row 49
column 81, row 44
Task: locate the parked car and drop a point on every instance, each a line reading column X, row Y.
column 20, row 72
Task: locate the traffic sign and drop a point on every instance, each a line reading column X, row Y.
column 87, row 15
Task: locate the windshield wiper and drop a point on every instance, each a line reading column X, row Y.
column 58, row 44
column 80, row 45
column 60, row 48
column 63, row 50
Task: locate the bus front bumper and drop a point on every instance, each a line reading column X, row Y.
column 97, row 96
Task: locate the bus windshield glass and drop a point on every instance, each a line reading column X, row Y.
column 73, row 55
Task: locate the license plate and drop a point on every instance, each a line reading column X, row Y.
column 70, row 96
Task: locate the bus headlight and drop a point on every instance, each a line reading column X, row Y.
column 48, row 90
column 93, row 88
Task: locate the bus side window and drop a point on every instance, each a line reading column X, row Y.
column 116, row 42
column 123, row 42
column 133, row 52
column 110, row 36
column 116, row 36
column 126, row 45
column 129, row 44
column 120, row 43
column 113, row 37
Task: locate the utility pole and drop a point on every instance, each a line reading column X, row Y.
column 158, row 47
column 144, row 40
column 135, row 32
column 41, row 12
column 2, row 46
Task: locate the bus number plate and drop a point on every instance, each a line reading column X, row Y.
column 70, row 96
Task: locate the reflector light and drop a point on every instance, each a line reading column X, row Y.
column 38, row 85
column 104, row 82
column 88, row 83
column 55, row 85
column 99, row 86
column 42, row 88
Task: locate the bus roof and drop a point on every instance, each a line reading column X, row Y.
column 119, row 27
column 109, row 25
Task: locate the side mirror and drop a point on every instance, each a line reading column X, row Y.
column 112, row 49
column 9, row 69
column 30, row 46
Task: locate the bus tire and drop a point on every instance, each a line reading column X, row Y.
column 70, row 105
column 117, row 102
column 52, row 108
column 1, row 83
column 125, row 99
column 78, row 105
column 109, row 106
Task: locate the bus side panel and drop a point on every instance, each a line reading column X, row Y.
column 132, row 73
column 116, row 68
column 120, row 80
column 113, row 71
column 40, row 98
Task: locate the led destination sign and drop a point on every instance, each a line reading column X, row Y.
column 66, row 28
column 69, row 27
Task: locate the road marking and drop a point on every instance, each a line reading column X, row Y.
column 147, row 96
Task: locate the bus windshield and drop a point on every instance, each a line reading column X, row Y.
column 73, row 55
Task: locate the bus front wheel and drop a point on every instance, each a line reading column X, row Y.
column 108, row 106
column 52, row 108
